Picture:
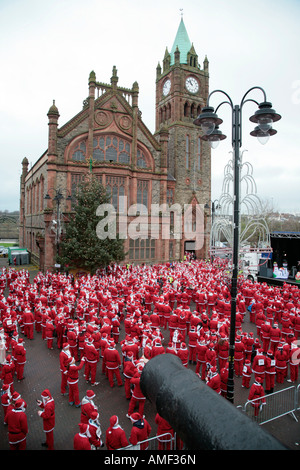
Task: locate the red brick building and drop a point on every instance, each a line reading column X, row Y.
column 109, row 138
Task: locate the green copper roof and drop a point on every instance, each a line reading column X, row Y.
column 183, row 42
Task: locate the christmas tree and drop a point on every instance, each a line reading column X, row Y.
column 80, row 247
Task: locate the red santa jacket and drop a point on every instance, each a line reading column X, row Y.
column 81, row 442
column 257, row 391
column 137, row 392
column 259, row 363
column 140, row 431
column 115, row 437
column 214, row 382
column 20, row 353
column 16, row 420
column 112, row 358
column 90, row 352
column 48, row 415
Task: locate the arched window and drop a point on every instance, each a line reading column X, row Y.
column 199, row 153
column 141, row 161
column 79, row 153
column 187, row 152
column 115, row 189
column 111, row 149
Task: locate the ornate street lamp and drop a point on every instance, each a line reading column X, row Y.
column 209, row 121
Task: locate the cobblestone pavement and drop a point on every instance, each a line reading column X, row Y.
column 42, row 371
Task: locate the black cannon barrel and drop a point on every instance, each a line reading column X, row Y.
column 203, row 419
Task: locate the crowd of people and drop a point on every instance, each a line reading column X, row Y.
column 180, row 308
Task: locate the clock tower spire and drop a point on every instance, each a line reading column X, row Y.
column 182, row 88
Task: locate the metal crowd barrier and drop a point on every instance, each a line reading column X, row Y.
column 276, row 405
column 162, row 442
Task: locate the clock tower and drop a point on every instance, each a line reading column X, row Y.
column 181, row 92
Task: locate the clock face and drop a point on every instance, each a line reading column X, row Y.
column 167, row 87
column 192, row 85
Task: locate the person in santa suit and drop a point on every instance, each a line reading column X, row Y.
column 224, row 379
column 213, row 380
column 259, row 365
column 87, row 406
column 129, row 369
column 257, row 393
column 238, row 321
column 167, row 309
column 297, row 324
column 173, row 324
column 182, row 325
column 164, row 433
column 7, row 373
column 192, row 341
column 81, row 439
column 115, row 437
column 259, row 320
column 140, row 431
column 81, row 340
column 157, row 348
column 9, row 327
column 59, row 322
column 154, row 320
column 113, row 363
column 249, row 341
column 6, row 399
column 95, row 431
column 137, row 394
column 210, row 357
column 64, row 359
column 281, row 361
column 130, row 345
column 49, row 332
column 44, row 322
column 17, row 396
column 91, row 359
column 222, row 350
column 48, row 416
column 201, row 349
column 16, row 421
column 96, row 337
column 72, row 380
column 28, row 321
column 20, row 359
column 170, row 349
column 72, row 340
column 247, row 373
column 183, row 354
column 239, row 356
column 115, row 329
column 201, row 301
column 270, row 371
column 265, row 335
column 294, row 356
column 286, row 324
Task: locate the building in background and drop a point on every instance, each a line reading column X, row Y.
column 108, row 137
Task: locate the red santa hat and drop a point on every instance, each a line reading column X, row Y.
column 94, row 415
column 18, row 404
column 83, row 428
column 46, row 394
column 90, row 394
column 135, row 417
column 16, row 396
column 114, row 421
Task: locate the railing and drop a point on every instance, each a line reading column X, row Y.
column 162, row 442
column 276, row 405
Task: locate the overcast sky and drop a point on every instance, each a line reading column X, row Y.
column 48, row 49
